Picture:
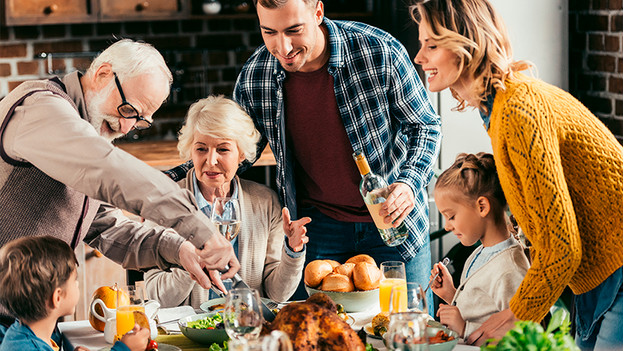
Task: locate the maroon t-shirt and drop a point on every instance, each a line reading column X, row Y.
column 325, row 172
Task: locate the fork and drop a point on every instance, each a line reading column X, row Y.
column 445, row 262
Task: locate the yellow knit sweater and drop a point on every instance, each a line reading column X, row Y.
column 561, row 171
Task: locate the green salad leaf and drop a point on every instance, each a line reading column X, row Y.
column 530, row 336
column 217, row 347
column 206, row 323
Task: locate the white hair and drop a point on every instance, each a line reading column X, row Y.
column 129, row 58
column 219, row 117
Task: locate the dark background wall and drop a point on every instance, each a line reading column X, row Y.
column 596, row 58
column 206, row 55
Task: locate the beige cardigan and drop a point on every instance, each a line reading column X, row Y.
column 489, row 289
column 265, row 265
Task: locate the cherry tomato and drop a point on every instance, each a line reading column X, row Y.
column 152, row 345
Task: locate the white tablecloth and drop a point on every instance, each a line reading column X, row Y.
column 80, row 333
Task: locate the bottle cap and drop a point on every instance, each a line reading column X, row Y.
column 360, row 161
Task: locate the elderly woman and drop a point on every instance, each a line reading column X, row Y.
column 218, row 135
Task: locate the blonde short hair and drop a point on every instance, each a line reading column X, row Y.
column 219, row 117
column 475, row 32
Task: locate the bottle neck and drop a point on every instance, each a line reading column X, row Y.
column 362, row 164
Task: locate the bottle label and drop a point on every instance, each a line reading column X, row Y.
column 379, row 220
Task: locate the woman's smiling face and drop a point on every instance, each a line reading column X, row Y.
column 440, row 64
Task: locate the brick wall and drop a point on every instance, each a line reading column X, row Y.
column 596, row 58
column 205, row 56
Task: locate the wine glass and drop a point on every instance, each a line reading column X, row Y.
column 408, row 298
column 392, row 274
column 226, row 214
column 243, row 314
column 407, row 331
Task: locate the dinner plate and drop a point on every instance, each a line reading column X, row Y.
column 218, row 304
column 161, row 347
column 432, row 328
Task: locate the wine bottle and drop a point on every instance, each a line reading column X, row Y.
column 374, row 190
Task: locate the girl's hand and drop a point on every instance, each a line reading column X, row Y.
column 137, row 338
column 452, row 318
column 442, row 285
column 295, row 230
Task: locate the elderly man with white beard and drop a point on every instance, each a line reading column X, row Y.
column 60, row 175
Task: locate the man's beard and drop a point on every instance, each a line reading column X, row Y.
column 106, row 125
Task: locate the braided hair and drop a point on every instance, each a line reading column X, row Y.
column 472, row 176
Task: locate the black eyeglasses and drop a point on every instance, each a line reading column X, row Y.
column 127, row 111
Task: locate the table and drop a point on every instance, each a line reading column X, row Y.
column 80, row 333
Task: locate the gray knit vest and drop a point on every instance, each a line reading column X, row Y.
column 32, row 203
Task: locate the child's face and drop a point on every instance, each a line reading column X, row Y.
column 70, row 294
column 462, row 218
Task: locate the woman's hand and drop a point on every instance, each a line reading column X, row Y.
column 137, row 338
column 452, row 318
column 442, row 285
column 295, row 230
column 494, row 327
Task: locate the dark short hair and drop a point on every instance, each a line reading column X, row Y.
column 275, row 4
column 31, row 268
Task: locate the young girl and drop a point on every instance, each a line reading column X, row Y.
column 469, row 196
column 559, row 166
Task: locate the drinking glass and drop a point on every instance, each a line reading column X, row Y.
column 130, row 309
column 276, row 341
column 407, row 331
column 408, row 298
column 226, row 214
column 392, row 274
column 243, row 314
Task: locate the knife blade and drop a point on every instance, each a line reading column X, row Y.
column 238, row 283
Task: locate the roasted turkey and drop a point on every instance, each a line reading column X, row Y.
column 314, row 325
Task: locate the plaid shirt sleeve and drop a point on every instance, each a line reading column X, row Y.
column 178, row 173
column 410, row 104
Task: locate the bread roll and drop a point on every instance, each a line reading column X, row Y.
column 362, row 258
column 337, row 282
column 345, row 269
column 315, row 271
column 333, row 263
column 366, row 276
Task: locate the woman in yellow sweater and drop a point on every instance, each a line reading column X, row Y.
column 560, row 169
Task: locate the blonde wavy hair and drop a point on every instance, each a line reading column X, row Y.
column 476, row 33
column 219, row 117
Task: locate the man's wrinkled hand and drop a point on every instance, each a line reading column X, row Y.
column 218, row 254
column 398, row 205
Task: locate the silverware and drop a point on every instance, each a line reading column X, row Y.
column 238, row 283
column 445, row 262
column 272, row 305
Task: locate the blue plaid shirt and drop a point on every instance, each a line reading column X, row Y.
column 384, row 107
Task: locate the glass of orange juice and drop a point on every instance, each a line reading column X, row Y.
column 392, row 274
column 130, row 309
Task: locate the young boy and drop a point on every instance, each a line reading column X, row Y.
column 38, row 285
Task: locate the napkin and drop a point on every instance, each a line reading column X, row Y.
column 168, row 317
